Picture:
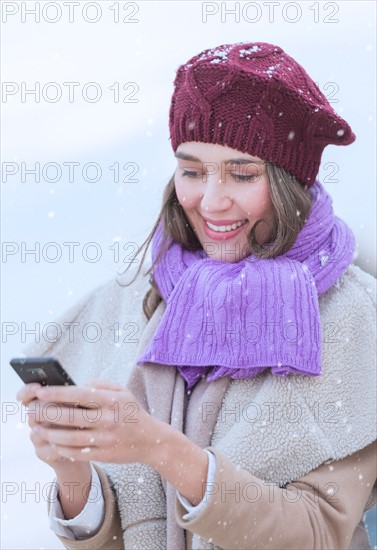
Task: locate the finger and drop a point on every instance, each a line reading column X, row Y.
column 84, row 454
column 76, row 454
column 43, row 449
column 75, row 438
column 57, row 415
column 35, row 406
column 84, row 396
column 34, row 412
column 31, row 420
column 47, row 453
column 39, row 412
column 75, row 395
column 105, row 385
column 36, row 438
column 27, row 392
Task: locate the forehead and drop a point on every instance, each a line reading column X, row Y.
column 211, row 152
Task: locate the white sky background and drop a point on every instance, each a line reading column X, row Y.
column 338, row 53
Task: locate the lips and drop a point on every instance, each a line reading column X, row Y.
column 225, row 234
column 222, row 222
column 224, row 228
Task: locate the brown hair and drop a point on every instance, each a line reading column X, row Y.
column 291, row 205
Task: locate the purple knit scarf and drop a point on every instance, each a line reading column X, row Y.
column 238, row 319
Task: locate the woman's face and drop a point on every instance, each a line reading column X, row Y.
column 218, row 187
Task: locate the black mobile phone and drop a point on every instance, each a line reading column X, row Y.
column 47, row 371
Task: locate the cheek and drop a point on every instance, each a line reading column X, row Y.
column 265, row 203
column 270, row 207
column 186, row 194
column 257, row 202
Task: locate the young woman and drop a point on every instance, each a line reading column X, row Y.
column 240, row 411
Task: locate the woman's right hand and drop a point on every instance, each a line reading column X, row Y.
column 43, row 449
column 74, row 478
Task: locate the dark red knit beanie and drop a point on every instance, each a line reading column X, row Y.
column 255, row 98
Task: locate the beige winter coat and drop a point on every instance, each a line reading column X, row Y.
column 295, row 459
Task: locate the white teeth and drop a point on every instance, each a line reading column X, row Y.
column 223, row 228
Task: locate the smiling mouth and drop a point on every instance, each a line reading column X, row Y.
column 225, row 228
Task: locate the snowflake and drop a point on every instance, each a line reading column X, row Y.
column 244, row 52
column 324, row 259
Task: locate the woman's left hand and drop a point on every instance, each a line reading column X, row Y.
column 106, row 424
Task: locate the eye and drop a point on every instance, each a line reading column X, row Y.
column 250, row 177
column 189, row 173
column 249, row 172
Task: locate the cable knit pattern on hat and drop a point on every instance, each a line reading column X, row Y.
column 255, row 98
column 240, row 318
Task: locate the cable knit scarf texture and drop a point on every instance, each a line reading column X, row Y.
column 237, row 319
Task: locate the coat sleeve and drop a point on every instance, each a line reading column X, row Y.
column 110, row 535
column 321, row 510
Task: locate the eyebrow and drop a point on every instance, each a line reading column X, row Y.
column 184, row 156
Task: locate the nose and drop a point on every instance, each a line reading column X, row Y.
column 215, row 197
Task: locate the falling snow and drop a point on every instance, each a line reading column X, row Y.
column 253, row 49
